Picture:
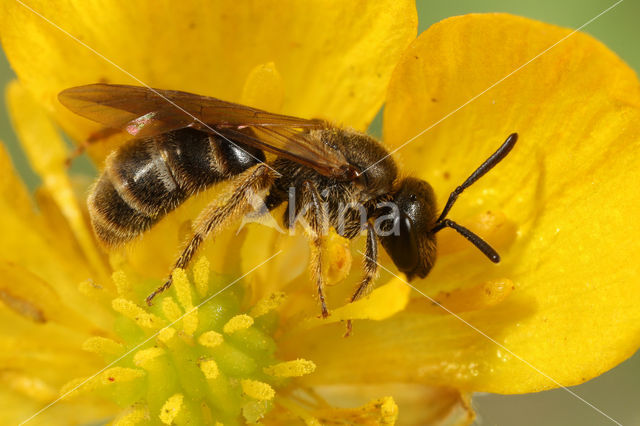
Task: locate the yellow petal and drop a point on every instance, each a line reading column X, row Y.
column 47, row 155
column 567, row 186
column 335, row 57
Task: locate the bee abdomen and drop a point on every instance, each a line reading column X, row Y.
column 147, row 178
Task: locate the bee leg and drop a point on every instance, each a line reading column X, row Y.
column 215, row 216
column 370, row 266
column 93, row 138
column 318, row 219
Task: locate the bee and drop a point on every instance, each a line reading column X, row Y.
column 183, row 143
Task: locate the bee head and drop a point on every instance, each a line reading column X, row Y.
column 406, row 233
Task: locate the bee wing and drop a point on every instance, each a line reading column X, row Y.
column 144, row 112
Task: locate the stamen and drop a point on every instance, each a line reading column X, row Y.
column 170, row 309
column 210, row 339
column 190, row 322
column 201, row 276
column 123, row 286
column 295, row 368
column 137, row 314
column 144, row 357
column 257, row 390
column 133, row 416
column 267, row 304
column 171, row 409
column 120, row 374
column 237, row 323
column 182, row 288
column 210, row 369
column 102, row 346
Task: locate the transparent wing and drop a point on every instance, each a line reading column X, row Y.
column 144, row 112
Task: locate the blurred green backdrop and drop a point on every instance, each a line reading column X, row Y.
column 617, row 392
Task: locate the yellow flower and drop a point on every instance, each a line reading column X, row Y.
column 558, row 310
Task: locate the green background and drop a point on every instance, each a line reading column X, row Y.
column 616, row 393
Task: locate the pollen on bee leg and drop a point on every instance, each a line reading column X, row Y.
column 492, row 226
column 337, row 257
column 171, row 408
column 481, row 296
column 295, row 368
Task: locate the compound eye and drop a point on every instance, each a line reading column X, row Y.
column 402, row 245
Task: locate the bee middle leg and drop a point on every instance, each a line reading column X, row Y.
column 215, row 216
column 318, row 222
column 370, row 265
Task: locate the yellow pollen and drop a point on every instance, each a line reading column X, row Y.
column 190, row 322
column 132, row 416
column 267, row 304
column 170, row 309
column 210, row 369
column 102, row 346
column 337, row 258
column 136, row 313
column 388, row 411
column 295, row 368
column 123, row 286
column 201, row 276
column 77, row 385
column 120, row 374
column 210, row 339
column 143, row 357
column 166, row 335
column 257, row 390
column 237, row 323
column 171, row 408
column 182, row 287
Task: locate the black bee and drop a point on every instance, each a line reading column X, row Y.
column 344, row 179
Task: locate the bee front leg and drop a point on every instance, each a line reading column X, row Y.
column 317, row 217
column 370, row 266
column 216, row 217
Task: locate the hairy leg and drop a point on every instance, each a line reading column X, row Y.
column 216, row 217
column 370, row 266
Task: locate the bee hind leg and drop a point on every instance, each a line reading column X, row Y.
column 216, row 217
column 317, row 218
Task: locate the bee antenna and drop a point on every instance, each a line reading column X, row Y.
column 481, row 244
column 442, row 222
column 490, row 163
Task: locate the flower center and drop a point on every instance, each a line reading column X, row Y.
column 195, row 357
